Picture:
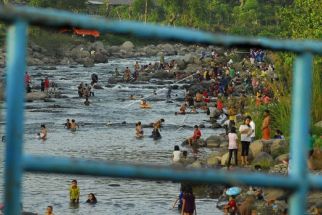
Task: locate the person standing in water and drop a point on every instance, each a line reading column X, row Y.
column 67, row 124
column 43, row 132
column 138, row 130
column 74, row 192
column 188, row 202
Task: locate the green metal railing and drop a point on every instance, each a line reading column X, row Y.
column 16, row 162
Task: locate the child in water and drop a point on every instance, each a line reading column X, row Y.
column 138, row 130
column 74, row 192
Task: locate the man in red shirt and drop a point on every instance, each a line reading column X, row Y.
column 196, row 135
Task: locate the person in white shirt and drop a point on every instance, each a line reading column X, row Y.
column 245, row 133
column 176, row 154
column 232, row 145
column 252, row 125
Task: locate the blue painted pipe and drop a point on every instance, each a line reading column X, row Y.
column 123, row 170
column 15, row 94
column 300, row 126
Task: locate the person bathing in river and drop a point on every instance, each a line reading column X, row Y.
column 182, row 109
column 91, row 199
column 43, row 132
column 74, row 192
column 138, row 130
column 49, row 210
column 67, row 124
column 132, row 97
column 158, row 124
column 155, row 133
column 73, row 125
column 176, row 154
column 196, row 135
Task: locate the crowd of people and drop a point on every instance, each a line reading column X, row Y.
column 221, row 101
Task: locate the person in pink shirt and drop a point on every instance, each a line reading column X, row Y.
column 232, row 145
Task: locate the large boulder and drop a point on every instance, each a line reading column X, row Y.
column 263, row 159
column 127, row 45
column 256, row 147
column 100, row 58
column 36, row 96
column 224, row 159
column 279, row 147
column 214, row 141
column 98, row 46
column 196, row 164
column 214, row 159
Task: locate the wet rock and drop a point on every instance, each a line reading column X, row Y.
column 98, row 87
column 196, row 164
column 36, row 96
column 163, row 75
column 213, row 141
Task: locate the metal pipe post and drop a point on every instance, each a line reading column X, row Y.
column 300, row 125
column 15, row 93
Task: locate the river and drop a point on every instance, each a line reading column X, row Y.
column 99, row 138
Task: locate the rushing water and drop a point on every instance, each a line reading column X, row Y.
column 99, row 138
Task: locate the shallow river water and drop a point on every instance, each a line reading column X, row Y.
column 99, row 138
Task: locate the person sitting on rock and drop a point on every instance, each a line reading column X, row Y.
column 196, row 135
column 231, row 207
column 182, row 109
